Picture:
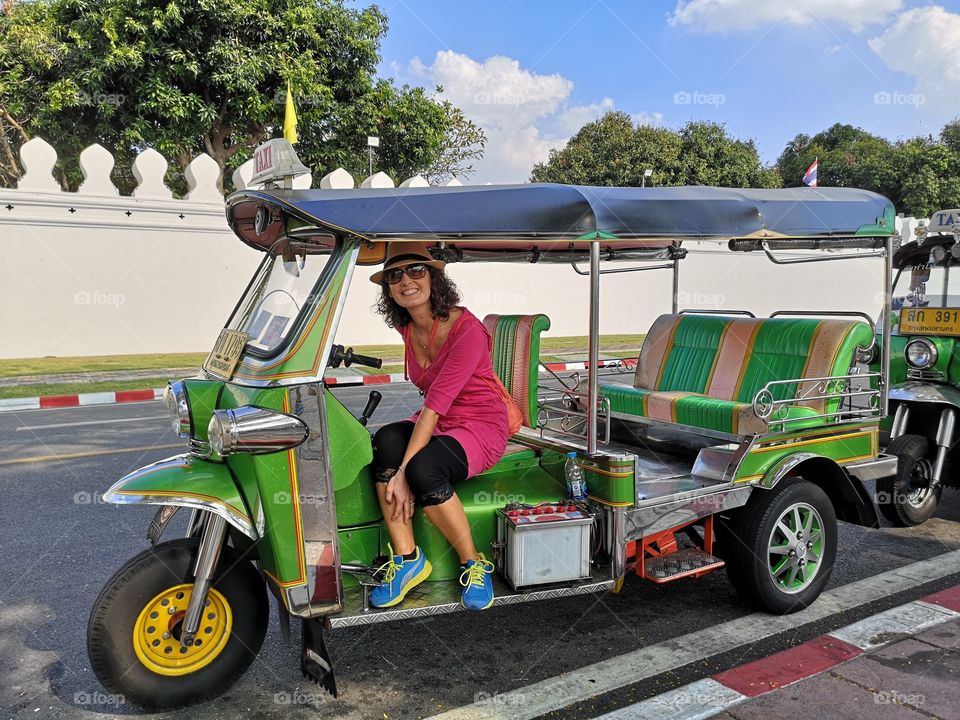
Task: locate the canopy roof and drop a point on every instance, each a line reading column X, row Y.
column 549, row 217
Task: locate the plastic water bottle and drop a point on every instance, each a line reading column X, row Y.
column 576, row 485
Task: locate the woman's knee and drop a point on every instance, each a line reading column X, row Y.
column 430, row 479
column 389, row 445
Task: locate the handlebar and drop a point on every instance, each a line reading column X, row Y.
column 348, row 357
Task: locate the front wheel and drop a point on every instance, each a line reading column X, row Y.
column 133, row 639
column 785, row 546
column 906, row 499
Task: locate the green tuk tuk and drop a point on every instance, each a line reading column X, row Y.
column 730, row 441
column 924, row 377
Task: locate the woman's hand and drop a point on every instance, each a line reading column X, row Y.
column 399, row 495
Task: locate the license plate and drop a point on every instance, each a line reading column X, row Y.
column 930, row 321
column 225, row 354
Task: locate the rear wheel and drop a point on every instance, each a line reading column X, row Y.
column 782, row 546
column 133, row 639
column 906, row 499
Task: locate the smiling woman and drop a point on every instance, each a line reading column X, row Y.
column 460, row 431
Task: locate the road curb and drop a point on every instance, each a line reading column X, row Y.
column 718, row 693
column 147, row 394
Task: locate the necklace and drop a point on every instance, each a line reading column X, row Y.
column 426, row 345
column 420, row 339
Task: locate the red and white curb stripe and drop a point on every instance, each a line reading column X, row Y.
column 121, row 396
column 715, row 694
column 96, row 398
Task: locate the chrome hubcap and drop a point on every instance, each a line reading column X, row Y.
column 919, row 483
column 795, row 548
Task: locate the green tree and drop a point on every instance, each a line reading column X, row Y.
column 186, row 77
column 613, row 151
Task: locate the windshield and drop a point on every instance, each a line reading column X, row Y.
column 279, row 292
column 928, row 284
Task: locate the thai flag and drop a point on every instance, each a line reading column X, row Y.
column 810, row 177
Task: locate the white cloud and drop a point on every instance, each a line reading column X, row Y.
column 925, row 43
column 516, row 108
column 723, row 15
column 645, row 118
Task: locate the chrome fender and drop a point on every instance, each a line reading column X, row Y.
column 925, row 392
column 187, row 481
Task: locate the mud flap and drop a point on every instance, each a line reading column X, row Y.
column 315, row 661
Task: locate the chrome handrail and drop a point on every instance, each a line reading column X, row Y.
column 834, row 387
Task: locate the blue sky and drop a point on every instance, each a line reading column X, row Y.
column 532, row 73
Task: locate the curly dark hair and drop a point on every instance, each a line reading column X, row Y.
column 443, row 297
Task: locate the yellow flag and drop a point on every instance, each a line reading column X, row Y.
column 290, row 119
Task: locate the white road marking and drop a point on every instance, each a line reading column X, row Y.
column 909, row 619
column 578, row 685
column 700, row 699
column 88, row 422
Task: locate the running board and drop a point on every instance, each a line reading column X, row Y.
column 438, row 598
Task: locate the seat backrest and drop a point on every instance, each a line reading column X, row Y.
column 680, row 352
column 733, row 358
column 516, row 357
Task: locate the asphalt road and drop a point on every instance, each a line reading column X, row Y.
column 59, row 543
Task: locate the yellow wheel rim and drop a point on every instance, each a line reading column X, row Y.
column 156, row 633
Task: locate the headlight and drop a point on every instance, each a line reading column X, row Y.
column 178, row 407
column 921, row 354
column 254, row 430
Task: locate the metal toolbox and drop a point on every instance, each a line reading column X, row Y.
column 543, row 544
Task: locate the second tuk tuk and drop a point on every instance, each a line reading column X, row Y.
column 730, row 441
column 924, row 371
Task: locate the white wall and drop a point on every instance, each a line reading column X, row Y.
column 150, row 273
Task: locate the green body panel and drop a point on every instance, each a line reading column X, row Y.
column 503, row 358
column 187, row 476
column 780, row 351
column 271, row 477
column 898, row 362
column 508, row 481
column 693, row 354
column 760, row 460
column 351, row 453
column 203, row 395
column 358, row 545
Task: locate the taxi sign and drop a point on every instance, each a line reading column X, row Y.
column 930, row 321
column 944, row 221
column 275, row 161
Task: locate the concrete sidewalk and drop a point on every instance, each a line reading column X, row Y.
column 900, row 663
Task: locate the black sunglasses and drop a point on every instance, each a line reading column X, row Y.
column 395, row 275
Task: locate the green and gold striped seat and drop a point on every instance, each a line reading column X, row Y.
column 516, row 357
column 705, row 370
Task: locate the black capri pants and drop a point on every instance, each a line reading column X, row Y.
column 430, row 473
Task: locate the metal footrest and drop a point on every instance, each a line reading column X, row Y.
column 689, row 562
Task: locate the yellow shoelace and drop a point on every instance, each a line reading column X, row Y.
column 473, row 575
column 390, row 567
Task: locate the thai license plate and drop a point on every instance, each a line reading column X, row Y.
column 225, row 354
column 929, row 321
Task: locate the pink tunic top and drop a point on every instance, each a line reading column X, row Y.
column 460, row 386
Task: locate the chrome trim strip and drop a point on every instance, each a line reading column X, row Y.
column 219, row 509
column 883, row 466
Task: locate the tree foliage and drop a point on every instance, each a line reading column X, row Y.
column 919, row 175
column 613, row 151
column 191, row 76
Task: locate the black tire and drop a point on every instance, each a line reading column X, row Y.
column 769, row 580
column 905, row 499
column 112, row 629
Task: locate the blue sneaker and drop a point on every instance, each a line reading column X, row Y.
column 400, row 576
column 477, row 584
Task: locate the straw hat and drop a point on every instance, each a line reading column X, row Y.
column 401, row 254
